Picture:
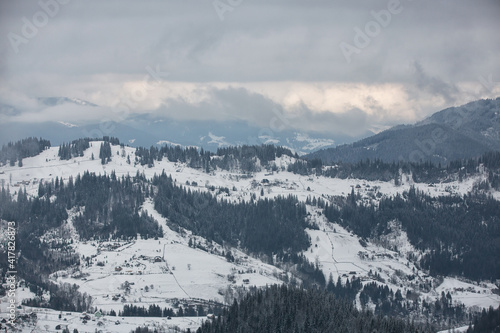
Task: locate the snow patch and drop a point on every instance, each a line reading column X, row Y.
column 312, row 143
column 67, row 124
column 218, row 140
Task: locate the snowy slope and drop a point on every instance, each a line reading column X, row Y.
column 341, row 254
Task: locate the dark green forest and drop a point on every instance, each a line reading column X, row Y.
column 487, row 322
column 293, row 310
column 261, row 226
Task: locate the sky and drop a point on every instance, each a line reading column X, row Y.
column 343, row 66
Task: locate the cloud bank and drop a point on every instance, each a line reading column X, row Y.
column 190, row 60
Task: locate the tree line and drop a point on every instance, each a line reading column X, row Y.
column 14, row 152
column 424, row 172
column 74, row 149
column 244, row 158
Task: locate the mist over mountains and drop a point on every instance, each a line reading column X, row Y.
column 146, row 130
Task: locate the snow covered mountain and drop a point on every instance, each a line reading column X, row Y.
column 172, row 272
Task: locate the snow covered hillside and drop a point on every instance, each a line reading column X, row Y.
column 47, row 166
column 184, row 270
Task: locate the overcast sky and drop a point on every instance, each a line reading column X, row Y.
column 341, row 65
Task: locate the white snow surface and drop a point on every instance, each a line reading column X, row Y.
column 219, row 140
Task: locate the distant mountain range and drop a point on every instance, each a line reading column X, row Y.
column 453, row 133
column 146, row 130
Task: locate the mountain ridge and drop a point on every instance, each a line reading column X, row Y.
column 453, row 133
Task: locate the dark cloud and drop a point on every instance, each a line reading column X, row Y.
column 353, row 122
column 434, row 85
column 256, row 41
column 256, row 109
column 224, row 104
